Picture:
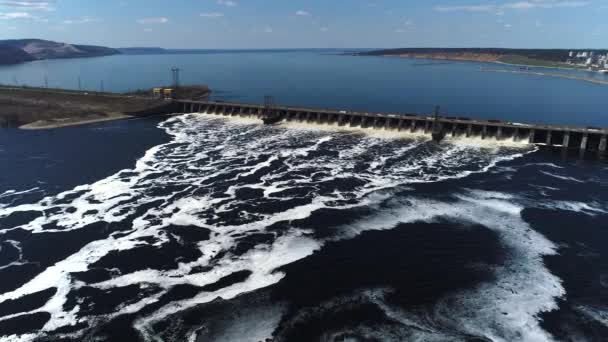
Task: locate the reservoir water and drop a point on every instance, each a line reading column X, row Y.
column 202, row 228
column 328, row 80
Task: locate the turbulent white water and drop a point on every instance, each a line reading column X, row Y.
column 239, row 180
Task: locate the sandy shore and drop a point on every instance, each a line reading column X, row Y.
column 67, row 122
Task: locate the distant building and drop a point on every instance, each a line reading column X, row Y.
column 571, row 54
column 584, row 55
column 589, row 61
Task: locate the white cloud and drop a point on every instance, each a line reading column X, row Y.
column 227, row 3
column 20, row 9
column 156, row 20
column 212, row 15
column 406, row 26
column 148, row 30
column 30, row 5
column 324, row 29
column 16, row 15
column 81, row 20
column 508, row 26
column 518, row 5
column 302, row 13
column 466, row 8
column 545, row 4
column 268, row 29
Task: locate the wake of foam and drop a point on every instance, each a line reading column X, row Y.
column 236, row 180
column 505, row 309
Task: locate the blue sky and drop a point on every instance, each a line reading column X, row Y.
column 310, row 23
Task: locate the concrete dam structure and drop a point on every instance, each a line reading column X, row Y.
column 584, row 139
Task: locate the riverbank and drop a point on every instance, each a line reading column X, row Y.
column 551, row 58
column 488, row 58
column 548, row 74
column 39, row 108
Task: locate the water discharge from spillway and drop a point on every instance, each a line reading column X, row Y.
column 222, row 200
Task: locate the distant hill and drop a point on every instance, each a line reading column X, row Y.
column 11, row 55
column 23, row 50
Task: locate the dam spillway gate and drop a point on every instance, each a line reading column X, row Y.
column 585, row 139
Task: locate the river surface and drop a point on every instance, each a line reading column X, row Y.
column 325, row 79
column 203, row 228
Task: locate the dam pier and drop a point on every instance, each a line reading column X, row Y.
column 568, row 138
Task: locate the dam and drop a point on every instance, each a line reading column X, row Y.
column 587, row 139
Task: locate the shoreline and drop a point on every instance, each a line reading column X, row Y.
column 522, row 72
column 546, row 74
column 70, row 122
column 40, row 108
column 477, row 60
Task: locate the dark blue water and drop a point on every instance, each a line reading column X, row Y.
column 325, row 79
column 203, row 228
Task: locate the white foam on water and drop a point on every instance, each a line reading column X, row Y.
column 208, row 153
column 18, row 338
column 551, row 165
column 590, row 208
column 507, row 308
column 403, row 326
column 543, row 187
column 246, row 120
column 596, row 313
column 564, row 178
column 378, row 132
column 17, row 246
column 8, row 197
column 263, row 262
column 487, row 143
column 255, row 323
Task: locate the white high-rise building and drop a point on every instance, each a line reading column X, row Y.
column 571, row 54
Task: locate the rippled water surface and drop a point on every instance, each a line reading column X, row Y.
column 232, row 231
column 327, row 79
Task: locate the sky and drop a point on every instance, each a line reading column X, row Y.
column 234, row 24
